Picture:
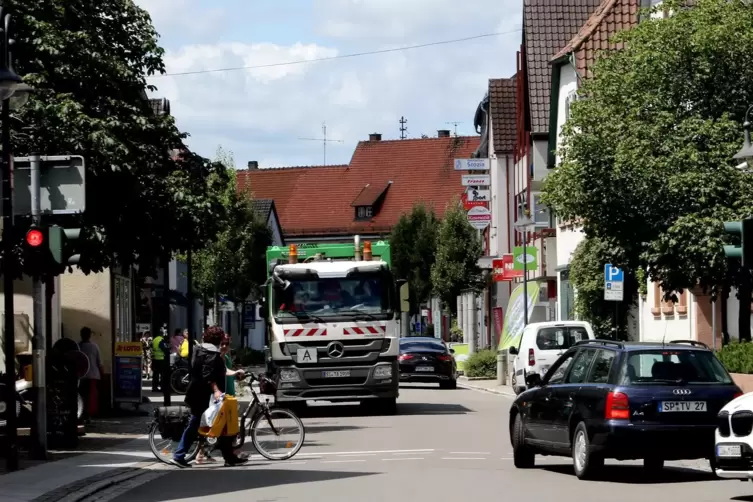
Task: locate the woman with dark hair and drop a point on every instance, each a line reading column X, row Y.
column 207, row 378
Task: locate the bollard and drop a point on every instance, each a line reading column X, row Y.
column 502, row 367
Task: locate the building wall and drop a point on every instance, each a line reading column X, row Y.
column 22, row 309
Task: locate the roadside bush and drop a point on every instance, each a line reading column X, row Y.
column 737, row 357
column 482, row 364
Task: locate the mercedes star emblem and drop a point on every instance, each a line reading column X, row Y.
column 681, row 392
column 335, row 350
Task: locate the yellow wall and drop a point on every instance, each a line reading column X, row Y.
column 85, row 301
column 23, row 314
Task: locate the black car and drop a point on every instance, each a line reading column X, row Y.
column 626, row 401
column 426, row 359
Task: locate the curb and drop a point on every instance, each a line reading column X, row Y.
column 470, row 386
column 85, row 488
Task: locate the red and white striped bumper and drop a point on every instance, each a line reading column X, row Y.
column 305, row 332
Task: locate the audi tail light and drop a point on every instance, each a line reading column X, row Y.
column 737, row 394
column 531, row 357
column 618, row 407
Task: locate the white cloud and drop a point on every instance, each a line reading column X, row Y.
column 260, row 114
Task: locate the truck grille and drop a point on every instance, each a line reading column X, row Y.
column 355, row 351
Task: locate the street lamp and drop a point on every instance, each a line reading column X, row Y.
column 13, row 94
column 524, row 225
column 746, row 152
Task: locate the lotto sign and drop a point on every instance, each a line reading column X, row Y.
column 128, row 349
column 503, row 269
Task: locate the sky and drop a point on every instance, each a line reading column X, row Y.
column 261, row 114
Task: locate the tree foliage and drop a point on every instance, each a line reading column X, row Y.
column 647, row 152
column 233, row 263
column 458, row 251
column 88, row 62
column 413, row 243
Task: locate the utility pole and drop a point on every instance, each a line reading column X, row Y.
column 403, row 129
column 191, row 315
column 455, row 124
column 38, row 344
column 324, row 141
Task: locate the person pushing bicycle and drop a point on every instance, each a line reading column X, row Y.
column 207, row 379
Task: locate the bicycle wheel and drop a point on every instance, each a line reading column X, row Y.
column 164, row 449
column 179, row 380
column 277, row 422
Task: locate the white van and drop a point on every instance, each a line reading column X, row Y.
column 541, row 344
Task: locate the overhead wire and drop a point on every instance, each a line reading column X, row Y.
column 340, row 56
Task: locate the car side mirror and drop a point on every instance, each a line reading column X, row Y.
column 513, row 351
column 533, row 380
column 452, row 351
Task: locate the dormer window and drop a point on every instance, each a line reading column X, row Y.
column 364, row 212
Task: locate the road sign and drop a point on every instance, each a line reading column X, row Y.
column 62, row 187
column 614, row 280
column 471, row 164
column 476, row 180
column 479, row 217
column 474, row 194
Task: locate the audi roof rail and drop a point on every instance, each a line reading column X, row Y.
column 694, row 343
column 600, row 341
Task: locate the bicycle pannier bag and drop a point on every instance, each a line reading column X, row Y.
column 172, row 421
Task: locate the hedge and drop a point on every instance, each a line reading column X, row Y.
column 482, row 364
column 737, row 357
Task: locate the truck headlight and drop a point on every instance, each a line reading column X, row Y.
column 288, row 375
column 383, row 372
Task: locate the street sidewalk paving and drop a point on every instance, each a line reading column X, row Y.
column 486, row 386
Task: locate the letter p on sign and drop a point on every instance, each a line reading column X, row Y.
column 613, row 274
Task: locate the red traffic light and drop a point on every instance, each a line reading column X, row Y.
column 34, row 238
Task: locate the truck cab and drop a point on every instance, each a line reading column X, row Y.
column 332, row 312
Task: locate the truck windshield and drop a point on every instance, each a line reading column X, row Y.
column 333, row 297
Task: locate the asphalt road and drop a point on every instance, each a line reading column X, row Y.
column 444, row 445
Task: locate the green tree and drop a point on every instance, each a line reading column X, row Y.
column 233, row 263
column 458, row 251
column 647, row 152
column 89, row 62
column 413, row 243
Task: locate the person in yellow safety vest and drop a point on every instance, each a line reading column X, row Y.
column 160, row 358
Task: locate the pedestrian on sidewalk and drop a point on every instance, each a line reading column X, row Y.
column 208, row 379
column 176, row 341
column 160, row 358
column 89, row 384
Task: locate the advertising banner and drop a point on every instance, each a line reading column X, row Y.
column 513, row 326
column 127, row 372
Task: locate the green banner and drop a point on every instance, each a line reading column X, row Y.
column 514, row 314
column 531, row 261
column 460, row 355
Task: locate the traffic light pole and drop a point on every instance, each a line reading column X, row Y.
column 38, row 343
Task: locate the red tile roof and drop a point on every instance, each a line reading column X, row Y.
column 609, row 18
column 502, row 108
column 317, row 201
column 547, row 27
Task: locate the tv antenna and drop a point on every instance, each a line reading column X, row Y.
column 403, row 129
column 456, row 126
column 324, row 141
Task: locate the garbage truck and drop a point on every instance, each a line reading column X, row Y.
column 332, row 313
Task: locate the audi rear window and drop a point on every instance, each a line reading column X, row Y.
column 664, row 367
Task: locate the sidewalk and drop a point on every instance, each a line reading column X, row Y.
column 486, row 386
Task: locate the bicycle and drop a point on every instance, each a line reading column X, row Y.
column 180, row 376
column 254, row 417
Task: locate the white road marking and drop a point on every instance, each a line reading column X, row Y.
column 403, row 458
column 374, row 452
column 470, row 453
column 358, row 455
column 341, row 461
column 463, row 458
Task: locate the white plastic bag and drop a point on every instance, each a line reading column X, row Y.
column 208, row 417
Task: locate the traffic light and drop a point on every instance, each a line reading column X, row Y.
column 744, row 230
column 47, row 250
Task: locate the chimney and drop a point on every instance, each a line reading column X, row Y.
column 375, row 136
column 443, row 133
column 252, row 164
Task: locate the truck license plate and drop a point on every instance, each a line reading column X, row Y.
column 307, row 355
column 337, row 374
column 728, row 450
column 666, row 406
